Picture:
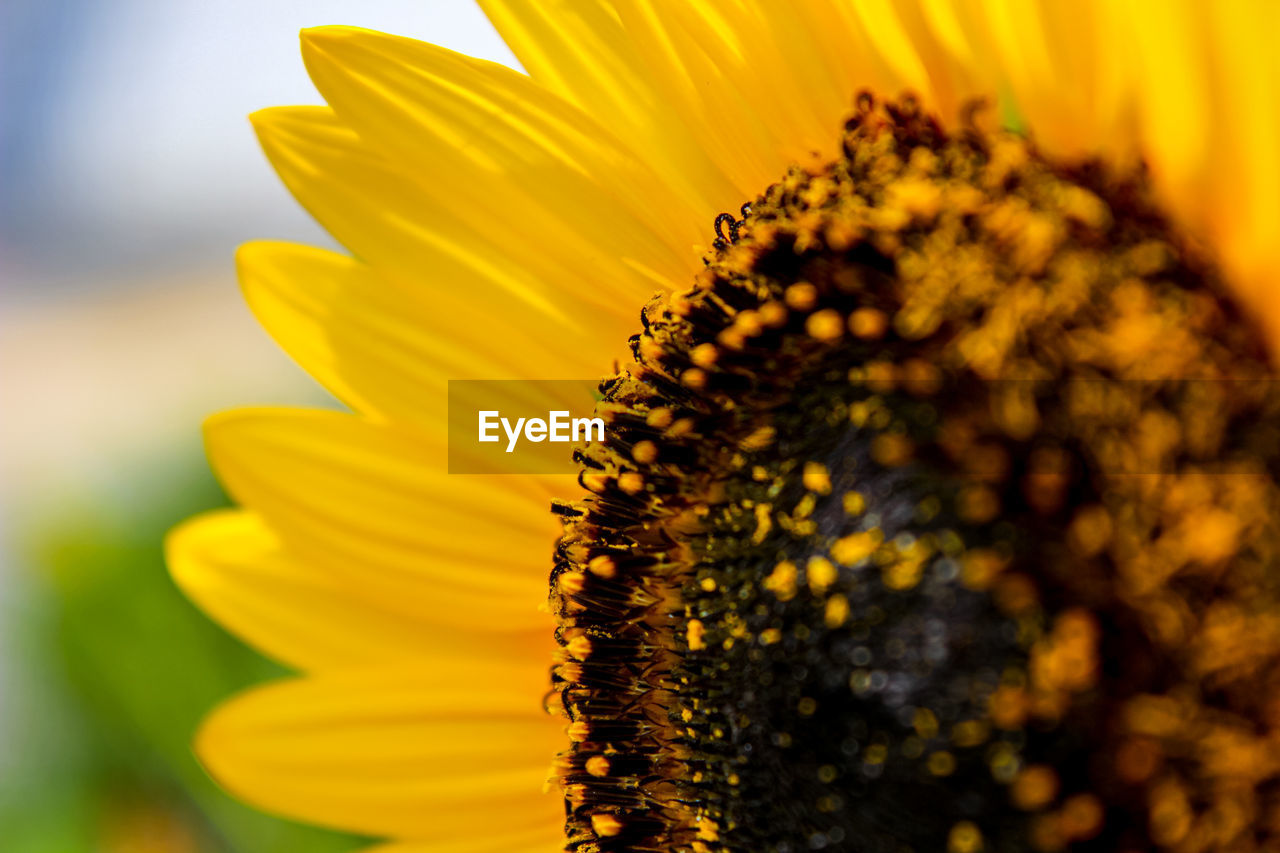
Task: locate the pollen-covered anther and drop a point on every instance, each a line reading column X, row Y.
column 868, row 323
column 606, row 825
column 695, row 633
column 660, row 417
column 594, row 481
column 631, row 482
column 817, row 478
column 826, row 325
column 645, row 452
column 801, row 296
column 704, row 355
column 603, row 566
column 772, row 314
column 570, row 583
column 580, row 648
column 759, row 438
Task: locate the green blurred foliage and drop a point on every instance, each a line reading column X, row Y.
column 116, row 669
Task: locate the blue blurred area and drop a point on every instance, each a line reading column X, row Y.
column 123, row 140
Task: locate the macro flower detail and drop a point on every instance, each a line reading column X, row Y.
column 934, row 509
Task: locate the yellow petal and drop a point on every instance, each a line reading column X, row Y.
column 549, row 840
column 567, row 185
column 722, row 96
column 699, row 61
column 372, row 504
column 441, row 753
column 381, row 346
column 581, row 52
column 1243, row 210
column 465, row 272
column 232, row 566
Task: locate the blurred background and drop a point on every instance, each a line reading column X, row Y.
column 128, row 174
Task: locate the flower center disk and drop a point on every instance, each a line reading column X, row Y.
column 933, row 517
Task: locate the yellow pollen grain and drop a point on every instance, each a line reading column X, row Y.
column 978, row 504
column 821, row 573
column 965, row 837
column 704, row 355
column 837, row 611
column 578, row 731
column 856, row 546
column 708, row 584
column 695, row 378
column 1213, row 537
column 942, row 764
column 571, row 583
column 645, row 452
column 807, row 707
column 869, row 324
column 681, row 428
column 660, row 418
column 602, row 566
column 880, row 376
column 773, row 314
column 801, row 296
column 631, row 482
column 825, row 325
column 925, row 722
column 595, row 481
column 1034, row 787
column 904, row 572
column 921, row 378
column 606, row 825
column 1081, row 817
column 731, row 338
column 854, row 503
column 580, row 647
column 759, row 438
column 769, row 636
column 694, row 634
column 782, row 580
column 764, row 522
column 597, row 765
column 840, row 235
column 748, row 323
column 891, row 451
column 980, row 567
column 817, row 478
column 917, row 196
column 1090, row 531
column 969, row 733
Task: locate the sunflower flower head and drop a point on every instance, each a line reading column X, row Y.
column 933, row 510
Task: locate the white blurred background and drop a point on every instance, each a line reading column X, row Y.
column 128, row 175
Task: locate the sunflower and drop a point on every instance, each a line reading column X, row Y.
column 935, row 505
